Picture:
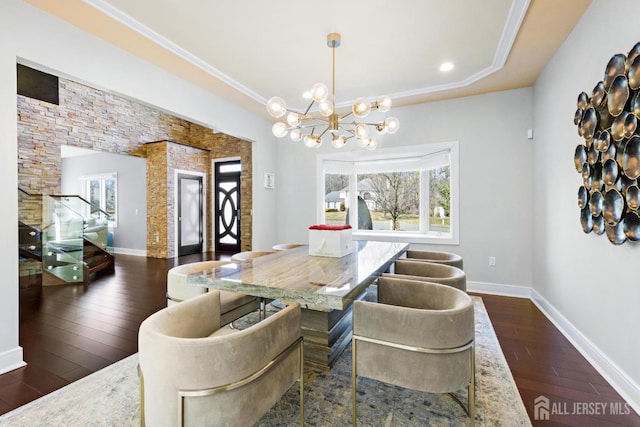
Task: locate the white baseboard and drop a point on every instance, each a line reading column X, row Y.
column 499, row 289
column 616, row 377
column 127, row 251
column 11, row 359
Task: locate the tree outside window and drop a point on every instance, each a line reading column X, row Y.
column 395, row 200
column 405, row 193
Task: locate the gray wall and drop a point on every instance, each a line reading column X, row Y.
column 592, row 285
column 131, row 234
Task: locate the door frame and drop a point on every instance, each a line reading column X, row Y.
column 176, row 201
column 213, row 186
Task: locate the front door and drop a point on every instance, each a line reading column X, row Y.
column 227, row 206
column 190, row 210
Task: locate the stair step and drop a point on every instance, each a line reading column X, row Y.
column 102, row 266
column 58, row 257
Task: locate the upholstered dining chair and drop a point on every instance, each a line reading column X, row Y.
column 194, row 373
column 248, row 255
column 285, row 246
column 430, row 272
column 419, row 335
column 233, row 305
column 436, row 257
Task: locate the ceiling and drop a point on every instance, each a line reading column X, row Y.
column 247, row 51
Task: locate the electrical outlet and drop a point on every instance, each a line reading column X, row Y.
column 492, row 261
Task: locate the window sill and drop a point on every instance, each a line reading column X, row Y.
column 404, row 237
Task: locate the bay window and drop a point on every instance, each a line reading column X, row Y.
column 405, row 193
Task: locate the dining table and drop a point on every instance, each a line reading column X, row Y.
column 325, row 288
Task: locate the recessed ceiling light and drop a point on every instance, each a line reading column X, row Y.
column 446, row 66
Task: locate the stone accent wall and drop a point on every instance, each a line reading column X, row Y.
column 94, row 119
column 157, row 223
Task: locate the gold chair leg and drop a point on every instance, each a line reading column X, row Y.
column 472, row 387
column 354, row 375
column 142, row 422
column 302, row 383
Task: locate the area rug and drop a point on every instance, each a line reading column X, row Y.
column 110, row 397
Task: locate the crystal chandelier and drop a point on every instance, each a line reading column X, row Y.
column 311, row 129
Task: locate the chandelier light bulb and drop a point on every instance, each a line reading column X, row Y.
column 392, row 124
column 325, row 108
column 371, row 144
column 276, row 107
column 293, row 119
column 279, row 129
column 361, row 107
column 319, row 92
column 361, row 131
column 338, row 141
column 381, row 127
column 295, row 135
column 384, row 104
column 312, row 141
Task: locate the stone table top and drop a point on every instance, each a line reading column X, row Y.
column 318, row 283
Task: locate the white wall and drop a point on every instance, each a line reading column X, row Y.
column 36, row 37
column 10, row 352
column 130, row 236
column 495, row 179
column 593, row 284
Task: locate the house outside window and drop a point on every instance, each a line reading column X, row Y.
column 404, row 194
column 101, row 191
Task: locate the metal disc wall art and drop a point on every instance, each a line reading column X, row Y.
column 608, row 159
column 633, row 197
column 598, row 224
column 632, row 226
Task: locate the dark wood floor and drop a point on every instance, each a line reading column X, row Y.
column 544, row 363
column 68, row 332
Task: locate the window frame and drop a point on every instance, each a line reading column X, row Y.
column 84, row 192
column 389, row 154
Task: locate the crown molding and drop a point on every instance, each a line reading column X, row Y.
column 514, row 20
column 167, row 44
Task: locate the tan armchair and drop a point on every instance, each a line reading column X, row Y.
column 232, row 305
column 435, row 257
column 418, row 335
column 194, row 373
column 430, row 272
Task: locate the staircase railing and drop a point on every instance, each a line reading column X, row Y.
column 66, row 221
column 96, row 221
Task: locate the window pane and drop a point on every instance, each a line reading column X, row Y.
column 230, row 167
column 336, row 188
column 94, row 192
column 392, row 199
column 110, row 196
column 440, row 200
